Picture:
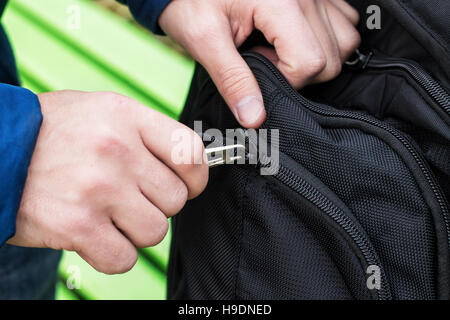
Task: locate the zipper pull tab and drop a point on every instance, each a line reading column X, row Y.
column 243, row 151
column 223, row 155
column 359, row 60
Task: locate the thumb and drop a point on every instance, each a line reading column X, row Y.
column 235, row 81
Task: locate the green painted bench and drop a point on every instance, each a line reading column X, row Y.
column 109, row 53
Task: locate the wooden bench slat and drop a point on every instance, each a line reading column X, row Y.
column 55, row 66
column 142, row 282
column 123, row 50
column 161, row 251
column 63, row 293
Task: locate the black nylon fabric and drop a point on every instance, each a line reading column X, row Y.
column 363, row 180
column 400, row 105
column 377, row 187
column 253, row 239
column 415, row 29
column 210, row 264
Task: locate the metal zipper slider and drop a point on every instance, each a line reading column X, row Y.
column 223, row 155
column 360, row 60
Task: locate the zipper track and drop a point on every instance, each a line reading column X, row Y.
column 360, row 117
column 351, row 115
column 433, row 88
column 289, row 178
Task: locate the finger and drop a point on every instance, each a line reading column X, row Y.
column 317, row 16
column 161, row 186
column 349, row 12
column 234, row 80
column 210, row 41
column 268, row 52
column 300, row 54
column 142, row 223
column 107, row 250
column 177, row 146
column 347, row 36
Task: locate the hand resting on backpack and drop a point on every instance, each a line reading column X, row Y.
column 311, row 40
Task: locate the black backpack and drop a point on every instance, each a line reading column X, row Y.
column 359, row 206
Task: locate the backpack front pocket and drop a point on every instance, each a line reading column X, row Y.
column 380, row 176
column 300, row 241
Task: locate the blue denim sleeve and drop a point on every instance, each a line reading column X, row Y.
column 20, row 121
column 147, row 12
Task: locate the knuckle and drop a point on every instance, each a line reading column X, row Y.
column 105, row 256
column 94, row 184
column 129, row 259
column 196, row 34
column 157, row 234
column 111, row 97
column 122, row 261
column 106, row 142
column 314, row 66
column 78, row 227
column 332, row 70
column 350, row 43
column 82, row 224
column 202, row 31
column 115, row 102
column 354, row 15
column 233, row 80
column 106, row 98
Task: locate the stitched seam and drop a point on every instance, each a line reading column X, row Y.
column 241, row 235
column 244, row 199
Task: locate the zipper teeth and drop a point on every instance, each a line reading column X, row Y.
column 300, row 186
column 425, row 81
column 319, row 110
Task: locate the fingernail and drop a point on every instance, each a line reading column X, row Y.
column 249, row 110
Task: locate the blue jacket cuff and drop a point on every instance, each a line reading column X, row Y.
column 147, row 12
column 20, row 121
